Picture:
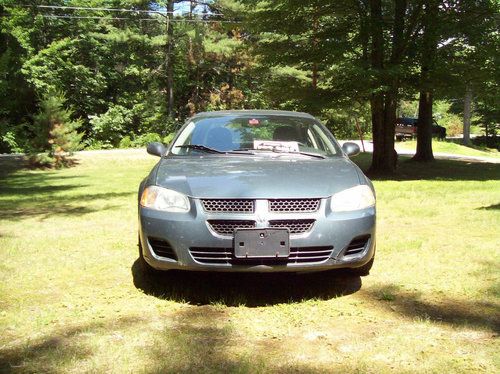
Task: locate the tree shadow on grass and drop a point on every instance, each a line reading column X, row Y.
column 45, row 194
column 490, row 207
column 11, row 163
column 49, row 206
column 192, row 340
column 50, row 353
column 439, row 170
column 460, row 313
column 203, row 340
column 248, row 289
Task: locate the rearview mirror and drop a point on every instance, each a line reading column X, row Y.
column 156, row 149
column 351, row 149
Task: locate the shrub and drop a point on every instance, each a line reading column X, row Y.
column 41, row 160
column 56, row 133
column 168, row 139
column 111, row 126
column 144, row 139
column 97, row 144
column 126, row 142
column 9, row 141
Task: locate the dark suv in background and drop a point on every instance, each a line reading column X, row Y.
column 406, row 128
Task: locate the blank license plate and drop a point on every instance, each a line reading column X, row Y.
column 261, row 243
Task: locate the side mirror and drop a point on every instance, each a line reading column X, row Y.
column 156, row 149
column 351, row 149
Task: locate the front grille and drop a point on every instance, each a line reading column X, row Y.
column 162, row 248
column 310, row 254
column 357, row 245
column 294, row 205
column 224, row 256
column 227, row 227
column 228, row 205
column 296, row 226
column 211, row 255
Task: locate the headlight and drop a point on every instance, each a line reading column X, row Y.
column 355, row 198
column 159, row 198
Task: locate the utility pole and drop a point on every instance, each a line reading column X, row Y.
column 467, row 113
column 169, row 60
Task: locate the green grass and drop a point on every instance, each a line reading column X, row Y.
column 452, row 148
column 72, row 298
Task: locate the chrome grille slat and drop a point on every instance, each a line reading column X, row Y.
column 212, row 258
column 228, row 205
column 210, row 253
column 294, row 205
column 224, row 256
column 320, row 253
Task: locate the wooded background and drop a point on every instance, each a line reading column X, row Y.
column 126, row 72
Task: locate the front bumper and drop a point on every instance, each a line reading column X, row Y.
column 185, row 234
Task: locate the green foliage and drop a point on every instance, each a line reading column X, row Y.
column 111, row 126
column 125, row 142
column 309, row 56
column 168, row 139
column 56, row 132
column 145, row 139
column 11, row 138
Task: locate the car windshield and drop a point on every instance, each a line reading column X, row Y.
column 255, row 134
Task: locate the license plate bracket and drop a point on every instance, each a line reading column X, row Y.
column 261, row 243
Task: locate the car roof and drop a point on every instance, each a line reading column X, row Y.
column 251, row 112
column 407, row 120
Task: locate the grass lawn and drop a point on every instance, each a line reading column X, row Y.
column 72, row 298
column 452, row 148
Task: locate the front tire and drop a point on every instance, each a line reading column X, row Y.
column 364, row 270
column 145, row 267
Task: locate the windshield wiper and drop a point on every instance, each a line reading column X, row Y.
column 200, row 147
column 279, row 150
column 204, row 148
column 317, row 155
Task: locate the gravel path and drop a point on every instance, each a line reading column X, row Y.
column 438, row 155
column 368, row 148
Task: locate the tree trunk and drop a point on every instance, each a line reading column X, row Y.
column 384, row 103
column 169, row 62
column 377, row 98
column 429, row 49
column 424, row 129
column 467, row 114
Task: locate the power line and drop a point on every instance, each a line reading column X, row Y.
column 91, row 17
column 64, row 7
column 136, row 19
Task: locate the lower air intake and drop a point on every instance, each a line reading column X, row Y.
column 357, row 245
column 162, row 248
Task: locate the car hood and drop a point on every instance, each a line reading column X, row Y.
column 256, row 177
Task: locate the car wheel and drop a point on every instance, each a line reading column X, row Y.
column 363, row 270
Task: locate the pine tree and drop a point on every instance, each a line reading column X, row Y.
column 56, row 133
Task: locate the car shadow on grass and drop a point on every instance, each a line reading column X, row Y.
column 247, row 289
column 459, row 313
